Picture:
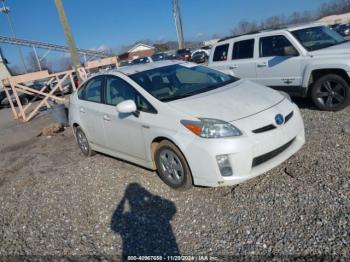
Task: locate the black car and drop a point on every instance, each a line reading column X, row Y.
column 4, row 101
column 159, row 57
column 125, row 63
column 200, row 57
column 334, row 27
column 183, row 54
column 343, row 29
column 141, row 60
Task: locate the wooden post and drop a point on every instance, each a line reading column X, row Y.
column 11, row 103
column 19, row 103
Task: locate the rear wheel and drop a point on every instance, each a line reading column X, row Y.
column 172, row 166
column 83, row 142
column 331, row 92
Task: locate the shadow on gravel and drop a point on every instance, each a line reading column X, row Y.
column 143, row 222
column 304, row 103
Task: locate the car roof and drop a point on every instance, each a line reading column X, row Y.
column 132, row 69
column 269, row 31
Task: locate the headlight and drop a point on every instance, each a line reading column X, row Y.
column 211, row 128
column 285, row 95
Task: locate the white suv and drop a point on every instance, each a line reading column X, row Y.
column 308, row 61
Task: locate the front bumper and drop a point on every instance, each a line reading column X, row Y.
column 271, row 148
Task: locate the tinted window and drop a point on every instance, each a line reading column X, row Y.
column 118, row 90
column 274, row 46
column 243, row 49
column 92, row 90
column 220, row 53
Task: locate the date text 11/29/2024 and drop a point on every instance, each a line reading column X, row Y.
column 172, row 258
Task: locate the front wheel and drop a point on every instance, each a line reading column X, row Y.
column 331, row 93
column 172, row 166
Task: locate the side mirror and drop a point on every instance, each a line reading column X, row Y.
column 290, row 51
column 127, row 107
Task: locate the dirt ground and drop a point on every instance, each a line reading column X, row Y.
column 54, row 201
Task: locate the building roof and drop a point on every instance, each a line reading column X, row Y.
column 333, row 19
column 140, row 47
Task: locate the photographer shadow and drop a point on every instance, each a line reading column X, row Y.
column 143, row 222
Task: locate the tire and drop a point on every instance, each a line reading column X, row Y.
column 83, row 142
column 331, row 93
column 24, row 101
column 172, row 166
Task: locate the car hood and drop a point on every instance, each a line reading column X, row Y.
column 232, row 102
column 341, row 49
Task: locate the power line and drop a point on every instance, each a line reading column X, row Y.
column 49, row 46
column 6, row 11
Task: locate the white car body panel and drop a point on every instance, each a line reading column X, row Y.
column 244, row 104
column 260, row 99
column 283, row 72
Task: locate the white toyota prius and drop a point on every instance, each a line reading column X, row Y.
column 192, row 124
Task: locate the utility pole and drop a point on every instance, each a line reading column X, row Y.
column 6, row 10
column 69, row 37
column 178, row 24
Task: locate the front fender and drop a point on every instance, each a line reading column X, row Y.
column 341, row 64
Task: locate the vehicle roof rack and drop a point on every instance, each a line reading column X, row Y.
column 255, row 32
column 234, row 36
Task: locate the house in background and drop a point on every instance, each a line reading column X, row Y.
column 139, row 50
column 335, row 19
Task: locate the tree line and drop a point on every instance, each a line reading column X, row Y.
column 326, row 9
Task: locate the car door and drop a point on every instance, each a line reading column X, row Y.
column 124, row 132
column 279, row 62
column 90, row 109
column 242, row 60
column 219, row 59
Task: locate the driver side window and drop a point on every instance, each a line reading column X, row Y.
column 118, row 90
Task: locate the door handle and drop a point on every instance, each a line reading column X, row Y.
column 82, row 110
column 233, row 67
column 106, row 118
column 262, row 64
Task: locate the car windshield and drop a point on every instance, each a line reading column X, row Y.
column 315, row 38
column 181, row 80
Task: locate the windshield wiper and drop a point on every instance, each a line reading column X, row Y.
column 171, row 98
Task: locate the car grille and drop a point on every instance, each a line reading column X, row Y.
column 265, row 157
column 288, row 117
column 272, row 127
column 264, row 129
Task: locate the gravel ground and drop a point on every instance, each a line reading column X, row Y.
column 54, row 201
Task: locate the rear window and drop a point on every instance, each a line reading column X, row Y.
column 220, row 53
column 92, row 90
column 243, row 49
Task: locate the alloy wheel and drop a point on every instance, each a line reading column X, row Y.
column 331, row 93
column 83, row 142
column 171, row 166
